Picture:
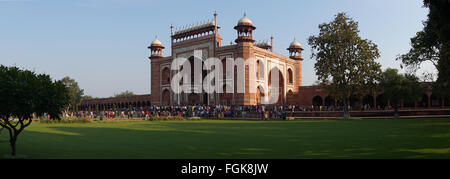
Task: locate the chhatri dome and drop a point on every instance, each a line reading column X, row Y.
column 156, row 49
column 295, row 44
column 156, row 42
column 245, row 21
column 295, row 50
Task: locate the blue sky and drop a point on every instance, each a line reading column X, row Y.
column 102, row 43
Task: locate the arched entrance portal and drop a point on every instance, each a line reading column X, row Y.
column 317, row 101
column 226, row 97
column 281, row 96
column 165, row 98
column 435, row 100
column 194, row 98
column 197, row 98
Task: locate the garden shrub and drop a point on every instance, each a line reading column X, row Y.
column 67, row 120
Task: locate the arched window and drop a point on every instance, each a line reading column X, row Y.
column 224, row 67
column 290, row 76
column 257, row 70
column 165, row 76
column 435, row 100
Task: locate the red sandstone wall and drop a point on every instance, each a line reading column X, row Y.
column 155, row 81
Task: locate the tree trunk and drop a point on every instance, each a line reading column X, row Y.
column 14, row 132
column 346, row 112
column 396, row 111
column 12, row 142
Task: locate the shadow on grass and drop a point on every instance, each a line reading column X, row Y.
column 211, row 139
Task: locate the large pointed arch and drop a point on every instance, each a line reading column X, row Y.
column 281, row 84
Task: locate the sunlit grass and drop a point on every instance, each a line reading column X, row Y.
column 429, row 151
column 403, row 138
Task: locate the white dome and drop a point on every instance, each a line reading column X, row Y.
column 156, row 42
column 295, row 44
column 245, row 19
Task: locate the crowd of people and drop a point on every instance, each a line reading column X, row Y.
column 202, row 111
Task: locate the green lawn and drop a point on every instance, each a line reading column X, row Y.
column 403, row 138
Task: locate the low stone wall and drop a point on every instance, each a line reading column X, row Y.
column 380, row 113
column 377, row 113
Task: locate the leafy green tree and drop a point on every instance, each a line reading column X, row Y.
column 398, row 88
column 424, row 48
column 85, row 97
column 427, row 77
column 75, row 93
column 433, row 44
column 124, row 94
column 439, row 22
column 344, row 61
column 23, row 93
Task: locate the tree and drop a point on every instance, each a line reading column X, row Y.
column 85, row 97
column 433, row 44
column 424, row 48
column 124, row 94
column 399, row 88
column 75, row 93
column 23, row 93
column 344, row 60
column 427, row 77
column 439, row 24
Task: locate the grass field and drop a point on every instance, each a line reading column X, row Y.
column 403, row 138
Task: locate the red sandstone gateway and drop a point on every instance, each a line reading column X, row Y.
column 205, row 37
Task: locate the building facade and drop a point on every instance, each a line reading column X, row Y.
column 259, row 59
